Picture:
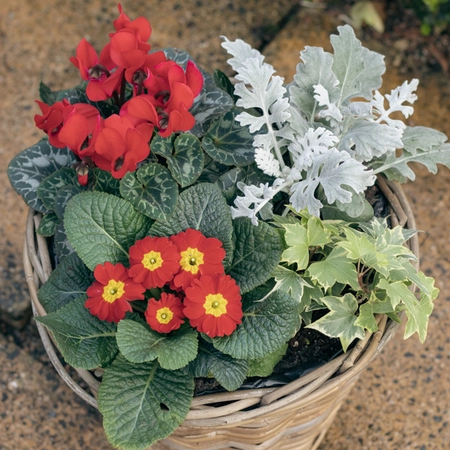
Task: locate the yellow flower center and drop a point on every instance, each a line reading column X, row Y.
column 164, row 315
column 113, row 290
column 191, row 259
column 152, row 260
column 215, row 304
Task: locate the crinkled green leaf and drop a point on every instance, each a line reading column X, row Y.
column 335, row 268
column 266, row 325
column 263, row 367
column 31, row 166
column 151, row 190
column 257, row 252
column 186, row 162
column 85, row 341
column 340, row 321
column 142, row 403
column 203, row 208
column 228, row 142
column 138, row 343
column 68, row 281
column 228, row 371
column 102, row 227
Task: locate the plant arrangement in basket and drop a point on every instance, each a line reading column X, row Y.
column 197, row 224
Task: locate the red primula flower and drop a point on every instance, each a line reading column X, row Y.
column 128, row 45
column 199, row 255
column 213, row 305
column 120, row 146
column 110, row 294
column 93, row 69
column 154, row 261
column 166, row 314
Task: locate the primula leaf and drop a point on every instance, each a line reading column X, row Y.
column 263, row 367
column 48, row 224
column 266, row 325
column 186, row 162
column 257, row 251
column 138, row 343
column 85, row 341
column 315, row 69
column 228, row 371
column 102, row 227
column 335, row 268
column 203, row 208
column 68, row 281
column 229, row 143
column 31, row 166
column 151, row 190
column 340, row 321
column 142, row 403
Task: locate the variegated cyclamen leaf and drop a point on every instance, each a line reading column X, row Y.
column 151, row 190
column 62, row 244
column 186, row 162
column 46, row 94
column 64, row 195
column 103, row 181
column 162, row 146
column 211, row 103
column 48, row 224
column 181, row 57
column 31, row 166
column 229, row 143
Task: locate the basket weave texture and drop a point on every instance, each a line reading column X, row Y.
column 293, row 417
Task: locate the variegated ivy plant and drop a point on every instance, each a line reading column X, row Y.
column 164, row 271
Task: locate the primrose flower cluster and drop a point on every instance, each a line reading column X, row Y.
column 188, row 266
column 162, row 93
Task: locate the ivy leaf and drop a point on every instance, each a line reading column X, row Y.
column 142, row 403
column 340, row 321
column 151, row 190
column 257, row 252
column 186, row 162
column 201, row 207
column 366, row 318
column 48, row 224
column 138, row 343
column 85, row 341
column 228, row 142
column 102, row 227
column 263, row 367
column 335, row 268
column 290, row 281
column 67, row 282
column 418, row 312
column 228, row 371
column 31, row 166
column 266, row 326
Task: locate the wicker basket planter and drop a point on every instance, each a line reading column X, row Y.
column 295, row 416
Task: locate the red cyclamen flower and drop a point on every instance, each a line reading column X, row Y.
column 154, row 261
column 110, row 294
column 166, row 314
column 120, row 146
column 213, row 305
column 199, row 255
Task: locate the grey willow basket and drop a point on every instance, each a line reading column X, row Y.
column 295, row 416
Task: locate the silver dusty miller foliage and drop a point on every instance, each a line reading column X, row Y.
column 326, row 135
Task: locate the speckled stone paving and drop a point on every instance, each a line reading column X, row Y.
column 402, row 401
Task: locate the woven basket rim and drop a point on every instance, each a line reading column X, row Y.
column 203, row 412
